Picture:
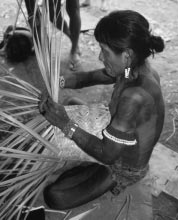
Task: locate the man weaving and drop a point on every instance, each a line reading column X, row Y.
column 137, row 116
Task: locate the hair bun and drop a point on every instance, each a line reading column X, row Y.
column 156, row 43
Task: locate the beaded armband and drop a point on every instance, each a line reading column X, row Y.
column 61, row 82
column 70, row 128
column 119, row 137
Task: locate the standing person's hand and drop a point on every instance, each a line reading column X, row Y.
column 53, row 112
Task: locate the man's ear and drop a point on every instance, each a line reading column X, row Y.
column 128, row 56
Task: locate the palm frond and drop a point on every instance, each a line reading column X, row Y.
column 31, row 150
column 28, row 152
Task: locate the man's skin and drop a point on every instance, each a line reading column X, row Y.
column 133, row 107
column 136, row 108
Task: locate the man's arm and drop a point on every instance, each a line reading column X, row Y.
column 118, row 135
column 85, row 79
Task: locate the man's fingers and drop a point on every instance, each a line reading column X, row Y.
column 53, row 106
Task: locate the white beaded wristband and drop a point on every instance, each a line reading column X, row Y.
column 61, row 82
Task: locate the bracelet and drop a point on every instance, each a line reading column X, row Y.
column 61, row 82
column 70, row 128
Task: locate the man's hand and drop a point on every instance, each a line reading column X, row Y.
column 53, row 112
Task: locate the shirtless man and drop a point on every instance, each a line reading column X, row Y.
column 137, row 116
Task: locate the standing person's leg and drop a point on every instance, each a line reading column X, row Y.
column 30, row 6
column 55, row 7
column 86, row 3
column 73, row 10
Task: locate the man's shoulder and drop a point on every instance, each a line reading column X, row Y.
column 136, row 94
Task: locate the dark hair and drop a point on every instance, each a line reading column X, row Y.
column 128, row 29
column 18, row 47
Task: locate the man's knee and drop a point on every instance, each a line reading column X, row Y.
column 52, row 198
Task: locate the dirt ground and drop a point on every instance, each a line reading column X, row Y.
column 163, row 17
